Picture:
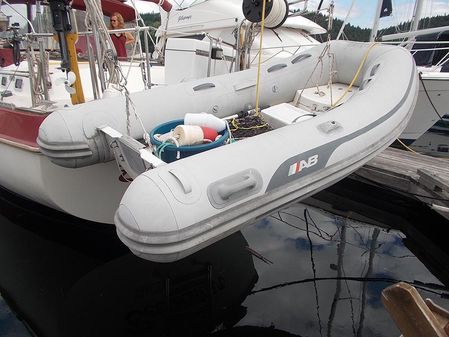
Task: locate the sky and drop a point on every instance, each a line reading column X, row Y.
column 362, row 13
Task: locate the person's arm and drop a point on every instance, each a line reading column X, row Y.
column 129, row 38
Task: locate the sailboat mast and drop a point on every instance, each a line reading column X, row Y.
column 376, row 21
column 417, row 14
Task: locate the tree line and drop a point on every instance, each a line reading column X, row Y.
column 354, row 33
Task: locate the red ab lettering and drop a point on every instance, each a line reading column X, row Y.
column 299, row 166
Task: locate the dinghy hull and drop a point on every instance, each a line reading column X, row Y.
column 174, row 210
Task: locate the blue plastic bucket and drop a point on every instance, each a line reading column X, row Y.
column 169, row 153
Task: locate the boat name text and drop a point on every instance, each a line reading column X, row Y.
column 184, row 17
column 297, row 167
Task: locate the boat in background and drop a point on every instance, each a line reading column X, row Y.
column 323, row 125
column 430, row 48
column 433, row 61
column 213, row 37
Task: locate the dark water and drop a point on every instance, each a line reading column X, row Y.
column 303, row 271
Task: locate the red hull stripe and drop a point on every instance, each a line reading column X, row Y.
column 20, row 126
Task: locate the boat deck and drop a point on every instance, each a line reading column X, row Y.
column 420, row 176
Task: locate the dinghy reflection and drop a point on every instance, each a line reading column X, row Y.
column 129, row 296
column 61, row 291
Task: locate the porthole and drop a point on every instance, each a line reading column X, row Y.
column 18, row 83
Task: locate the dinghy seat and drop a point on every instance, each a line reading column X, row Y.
column 284, row 114
column 323, row 98
column 307, row 103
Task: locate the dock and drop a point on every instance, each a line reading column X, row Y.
column 419, row 176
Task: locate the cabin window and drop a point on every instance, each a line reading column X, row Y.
column 443, row 148
column 299, row 58
column 428, row 54
column 18, row 84
column 276, row 67
column 4, row 80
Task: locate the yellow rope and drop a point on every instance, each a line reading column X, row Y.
column 260, row 56
column 408, row 148
column 250, row 128
column 356, row 74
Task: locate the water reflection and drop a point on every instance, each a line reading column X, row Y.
column 61, row 290
column 300, row 272
column 130, row 296
column 328, row 272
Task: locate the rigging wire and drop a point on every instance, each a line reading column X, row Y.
column 428, row 96
column 344, row 22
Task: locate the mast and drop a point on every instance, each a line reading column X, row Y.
column 29, row 15
column 417, row 14
column 376, row 21
column 414, row 32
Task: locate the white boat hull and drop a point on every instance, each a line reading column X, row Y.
column 432, row 102
column 92, row 193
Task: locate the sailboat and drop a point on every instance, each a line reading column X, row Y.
column 37, row 87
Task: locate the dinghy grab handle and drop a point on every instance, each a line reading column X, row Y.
column 226, row 191
column 235, row 187
column 180, row 178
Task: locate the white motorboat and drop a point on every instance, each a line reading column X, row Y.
column 431, row 50
column 332, row 108
column 200, row 40
column 433, row 64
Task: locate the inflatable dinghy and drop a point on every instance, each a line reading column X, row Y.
column 331, row 109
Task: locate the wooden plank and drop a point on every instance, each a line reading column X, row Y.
column 396, row 180
column 423, row 177
column 411, row 314
column 433, row 181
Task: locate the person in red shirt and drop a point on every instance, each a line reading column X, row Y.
column 120, row 40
